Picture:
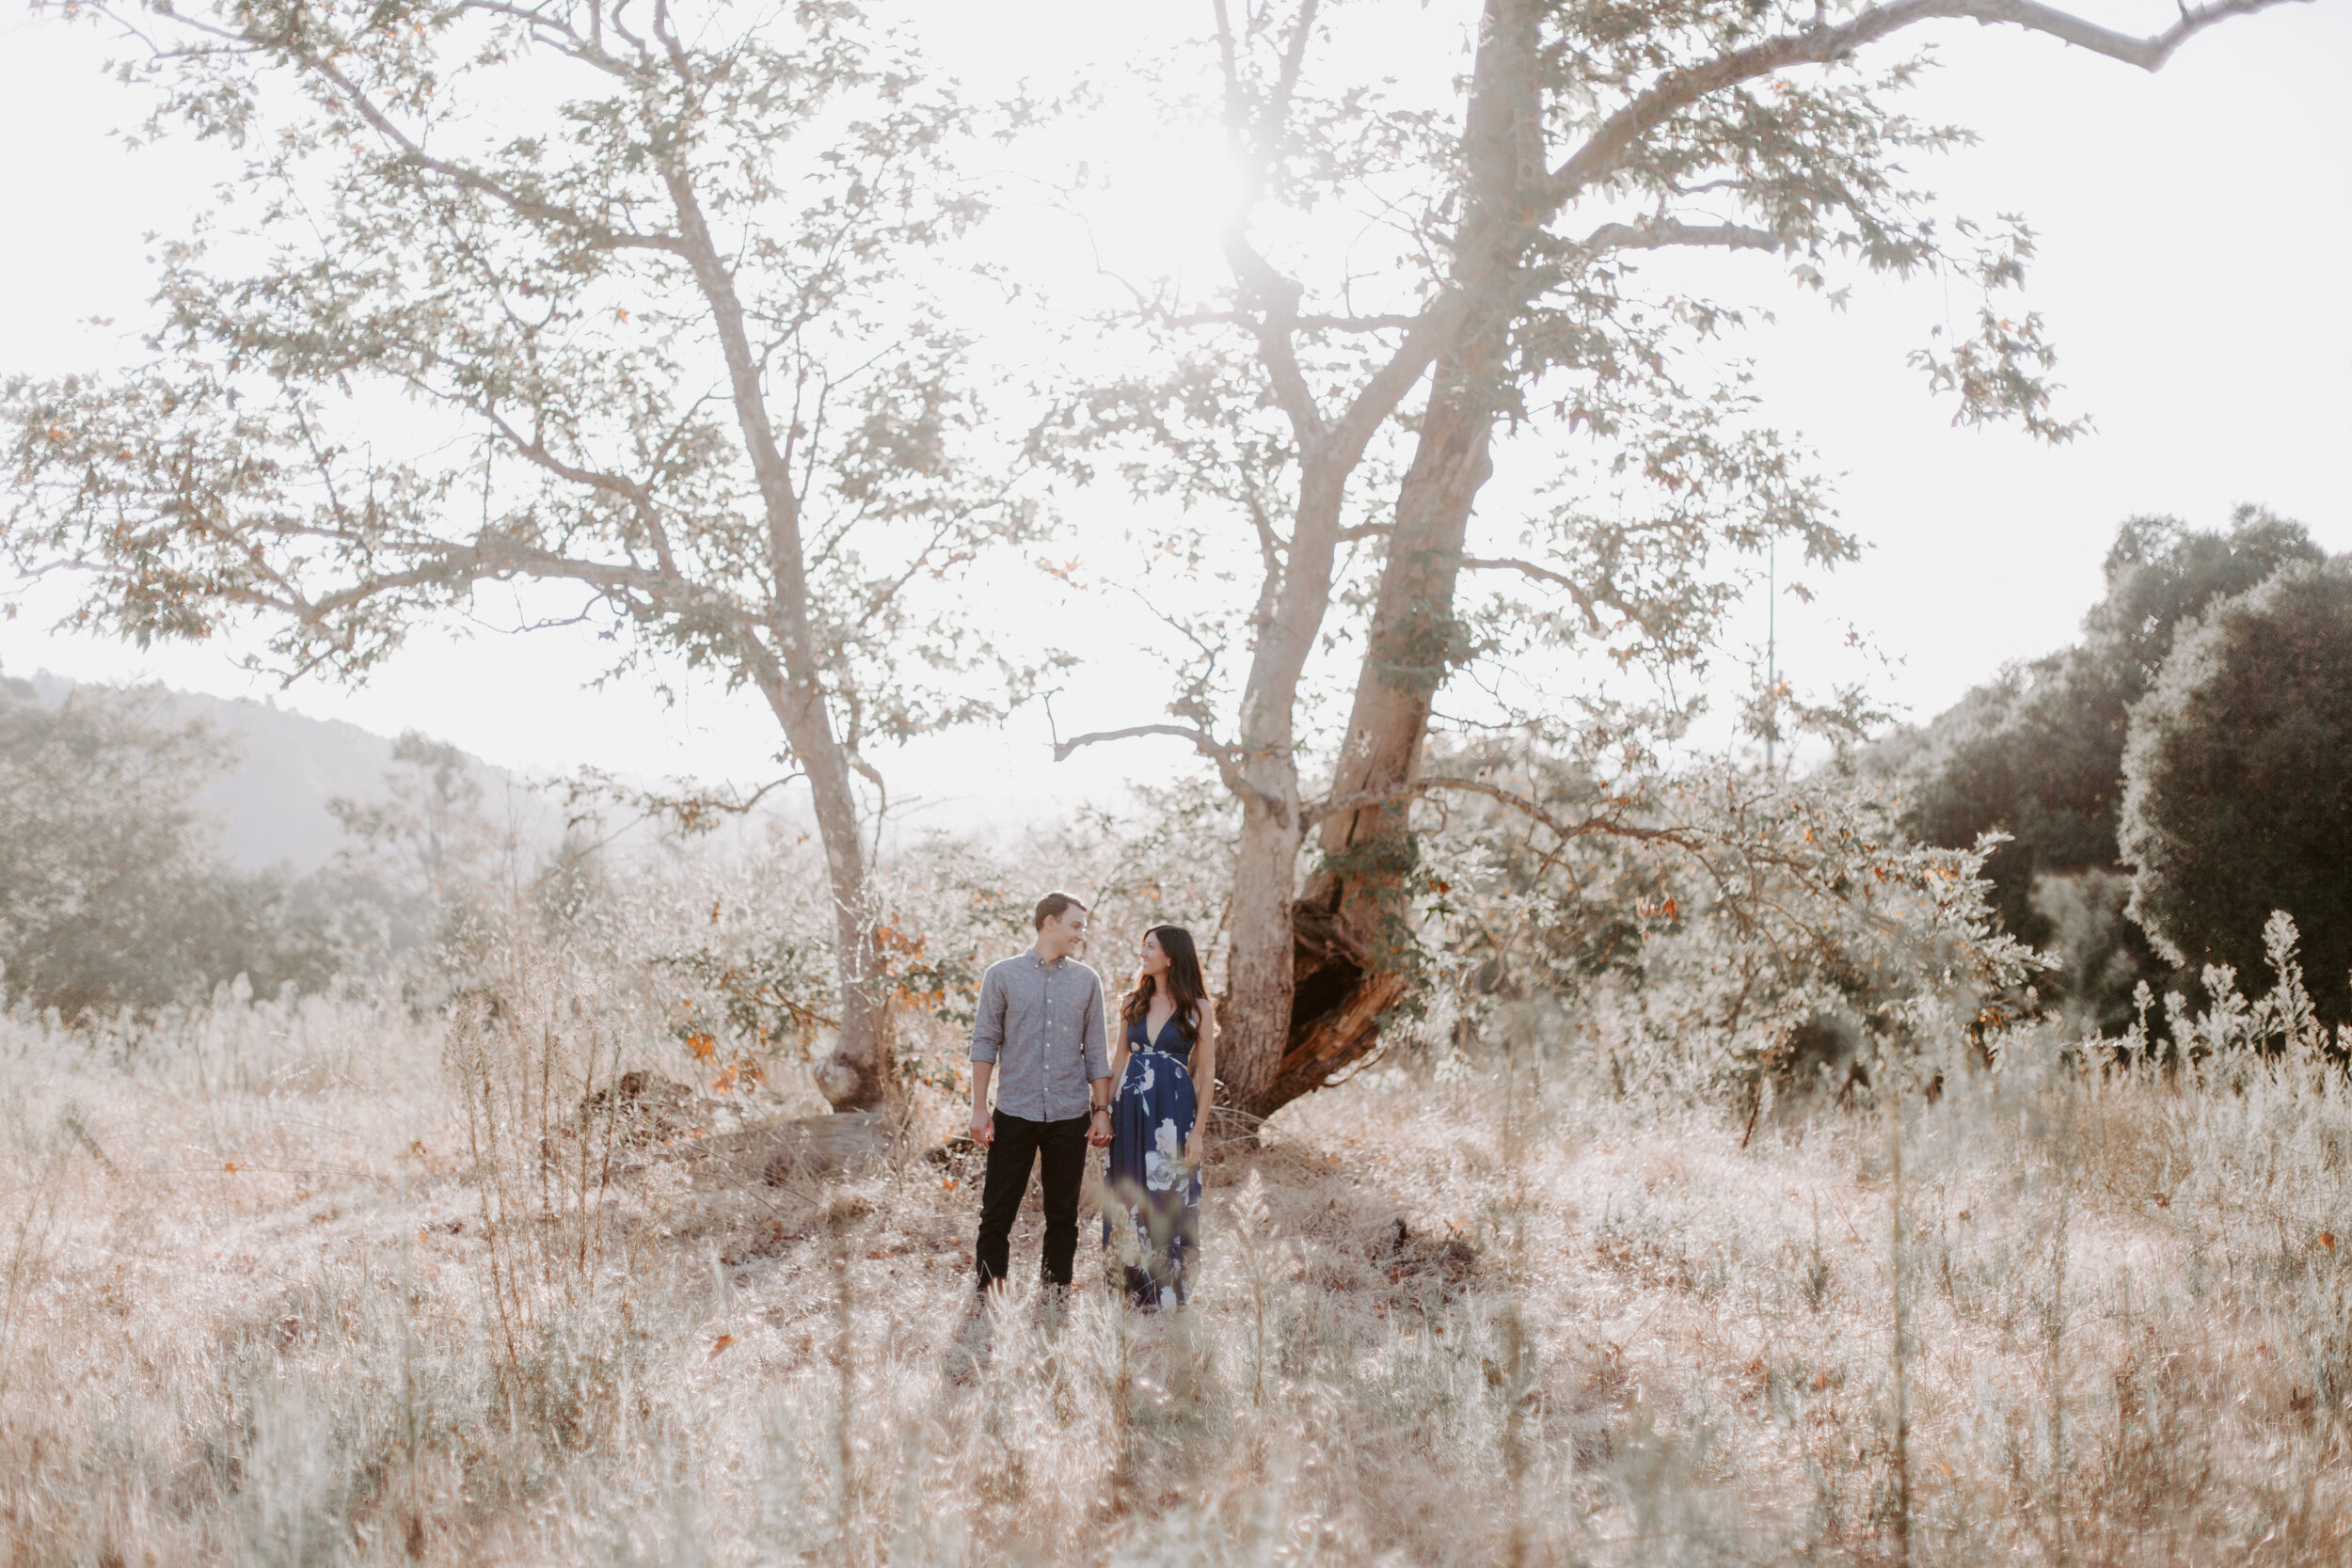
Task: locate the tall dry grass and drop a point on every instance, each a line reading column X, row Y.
column 326, row 1284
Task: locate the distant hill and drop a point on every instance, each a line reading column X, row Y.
column 272, row 805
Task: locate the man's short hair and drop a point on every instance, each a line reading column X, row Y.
column 1052, row 907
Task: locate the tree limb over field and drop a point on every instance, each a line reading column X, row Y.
column 1612, row 820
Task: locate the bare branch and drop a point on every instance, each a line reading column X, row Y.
column 1606, row 823
column 1293, row 63
column 534, row 449
column 2149, row 54
column 1304, row 324
column 693, row 808
column 1541, row 574
column 1357, row 323
column 1664, row 234
column 1273, row 298
column 1201, row 741
column 1226, row 758
column 1371, row 406
column 1276, row 316
column 1604, row 153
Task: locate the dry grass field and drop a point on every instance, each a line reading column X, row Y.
column 326, row 1284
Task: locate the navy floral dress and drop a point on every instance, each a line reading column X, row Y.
column 1150, row 1119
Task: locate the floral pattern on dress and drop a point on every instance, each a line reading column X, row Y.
column 1146, row 1171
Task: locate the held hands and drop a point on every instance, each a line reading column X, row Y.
column 1099, row 1127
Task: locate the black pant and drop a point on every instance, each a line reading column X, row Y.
column 1018, row 1144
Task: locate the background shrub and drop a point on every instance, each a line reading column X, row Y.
column 2239, row 783
column 112, row 893
column 2038, row 752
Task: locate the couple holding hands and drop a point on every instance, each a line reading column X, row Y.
column 1040, row 1036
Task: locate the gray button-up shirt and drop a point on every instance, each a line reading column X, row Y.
column 1042, row 1024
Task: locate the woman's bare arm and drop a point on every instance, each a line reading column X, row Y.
column 1203, row 1078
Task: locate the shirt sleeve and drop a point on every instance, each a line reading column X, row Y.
column 1097, row 1042
column 988, row 1023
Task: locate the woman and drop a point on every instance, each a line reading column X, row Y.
column 1165, row 1065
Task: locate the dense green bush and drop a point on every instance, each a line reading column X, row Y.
column 111, row 893
column 2038, row 752
column 2239, row 783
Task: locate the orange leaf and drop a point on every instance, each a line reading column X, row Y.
column 2328, row 1240
column 949, row 1185
column 721, row 1343
column 230, row 1166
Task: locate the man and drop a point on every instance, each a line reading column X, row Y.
column 1039, row 1033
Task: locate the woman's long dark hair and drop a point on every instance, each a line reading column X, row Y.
column 1185, row 985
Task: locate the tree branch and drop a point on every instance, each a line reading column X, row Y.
column 534, row 449
column 1663, row 233
column 600, row 236
column 1541, row 574
column 1605, row 822
column 1274, row 297
column 1226, row 758
column 2149, row 54
column 1304, row 324
column 1203, row 742
column 1274, row 320
column 1602, row 153
column 1435, row 328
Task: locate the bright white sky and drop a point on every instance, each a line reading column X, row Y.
column 2193, row 225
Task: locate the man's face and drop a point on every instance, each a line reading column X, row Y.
column 1066, row 931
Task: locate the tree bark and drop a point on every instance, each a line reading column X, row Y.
column 1255, row 1014
column 857, row 1076
column 1350, row 926
column 1348, row 930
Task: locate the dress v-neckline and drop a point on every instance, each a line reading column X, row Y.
column 1152, row 1036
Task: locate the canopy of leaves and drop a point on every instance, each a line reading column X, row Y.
column 519, row 294
column 2237, row 793
column 1718, row 126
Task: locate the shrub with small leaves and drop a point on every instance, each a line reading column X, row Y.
column 2238, row 792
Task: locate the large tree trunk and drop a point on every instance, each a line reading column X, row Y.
column 858, row 1075
column 1349, row 930
column 1254, row 1016
column 1255, row 1012
column 1351, row 925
